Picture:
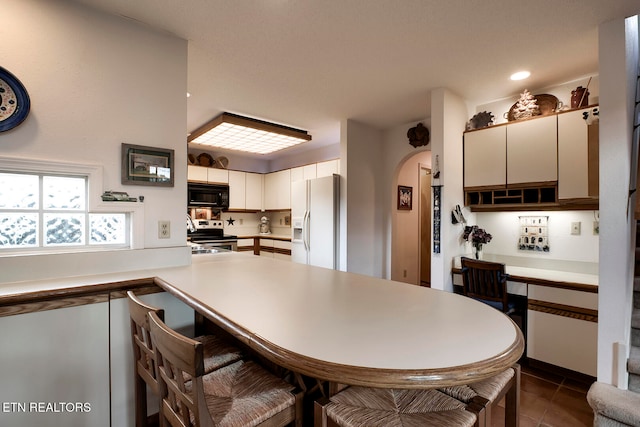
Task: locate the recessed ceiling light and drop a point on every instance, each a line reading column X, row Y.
column 188, row 94
column 520, row 75
column 235, row 132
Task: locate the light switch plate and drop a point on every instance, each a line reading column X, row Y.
column 575, row 228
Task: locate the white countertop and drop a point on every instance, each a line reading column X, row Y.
column 556, row 271
column 330, row 318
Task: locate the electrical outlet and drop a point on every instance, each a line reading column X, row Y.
column 575, row 228
column 164, row 229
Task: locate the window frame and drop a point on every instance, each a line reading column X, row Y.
column 94, row 203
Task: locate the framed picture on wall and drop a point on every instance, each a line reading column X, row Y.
column 405, row 198
column 147, row 166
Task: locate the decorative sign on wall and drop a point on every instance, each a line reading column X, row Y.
column 534, row 233
column 436, row 218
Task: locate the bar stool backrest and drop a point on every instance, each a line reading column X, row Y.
column 143, row 351
column 179, row 358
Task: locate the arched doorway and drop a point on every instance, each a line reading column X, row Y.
column 408, row 226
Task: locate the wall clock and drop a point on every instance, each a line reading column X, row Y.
column 14, row 101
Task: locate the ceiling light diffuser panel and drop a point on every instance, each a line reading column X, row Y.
column 233, row 132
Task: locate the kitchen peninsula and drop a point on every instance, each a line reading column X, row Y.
column 331, row 325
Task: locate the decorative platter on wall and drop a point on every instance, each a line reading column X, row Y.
column 14, row 101
column 547, row 103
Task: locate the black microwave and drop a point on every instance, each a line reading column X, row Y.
column 208, row 195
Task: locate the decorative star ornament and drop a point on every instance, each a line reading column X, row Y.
column 230, row 221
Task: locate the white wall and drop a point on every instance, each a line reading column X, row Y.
column 449, row 115
column 618, row 57
column 95, row 82
column 562, row 91
column 361, row 204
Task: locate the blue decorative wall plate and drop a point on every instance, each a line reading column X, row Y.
column 14, row 101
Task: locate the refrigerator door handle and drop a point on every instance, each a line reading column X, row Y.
column 305, row 230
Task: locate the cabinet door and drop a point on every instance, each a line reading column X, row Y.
column 196, row 173
column 573, row 155
column 277, row 190
column 532, row 151
column 253, row 191
column 327, row 168
column 562, row 335
column 218, row 176
column 282, row 245
column 266, row 248
column 485, row 160
column 237, row 190
column 53, row 356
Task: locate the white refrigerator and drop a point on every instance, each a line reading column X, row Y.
column 314, row 221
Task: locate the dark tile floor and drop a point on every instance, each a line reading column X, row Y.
column 549, row 400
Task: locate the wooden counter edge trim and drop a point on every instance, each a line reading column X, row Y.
column 563, row 310
column 362, row 376
column 545, row 282
column 32, row 302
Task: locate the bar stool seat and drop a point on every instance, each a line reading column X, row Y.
column 482, row 395
column 375, row 407
column 218, row 352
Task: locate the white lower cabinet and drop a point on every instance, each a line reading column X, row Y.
column 54, row 367
column 285, row 246
column 73, row 366
column 562, row 328
column 266, row 247
column 274, row 248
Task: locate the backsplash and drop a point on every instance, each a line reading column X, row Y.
column 247, row 224
column 506, row 231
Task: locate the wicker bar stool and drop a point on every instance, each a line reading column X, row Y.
column 377, row 407
column 217, row 353
column 240, row 394
column 481, row 396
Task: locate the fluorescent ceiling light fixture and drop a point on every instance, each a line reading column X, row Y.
column 520, row 75
column 233, row 132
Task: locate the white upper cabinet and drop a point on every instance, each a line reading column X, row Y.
column 209, row 175
column 245, row 190
column 301, row 173
column 220, row 176
column 196, row 173
column 485, row 157
column 573, row 156
column 253, row 191
column 277, row 190
column 532, row 150
column 327, row 168
column 237, row 190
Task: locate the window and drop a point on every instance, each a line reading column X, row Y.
column 47, row 211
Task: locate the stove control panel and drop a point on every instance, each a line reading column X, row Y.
column 208, row 224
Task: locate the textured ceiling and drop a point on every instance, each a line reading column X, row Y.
column 309, row 64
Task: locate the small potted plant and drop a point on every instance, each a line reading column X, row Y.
column 477, row 236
